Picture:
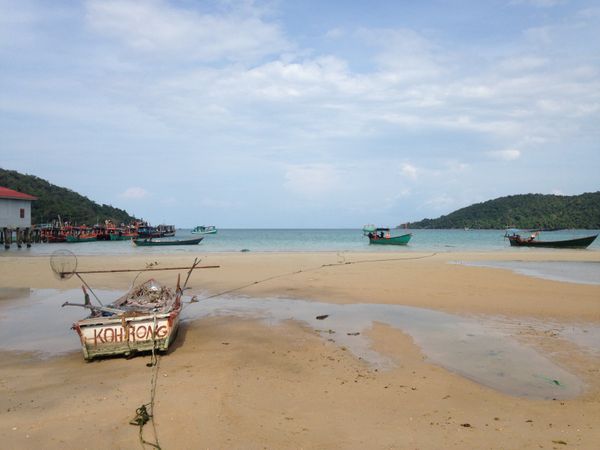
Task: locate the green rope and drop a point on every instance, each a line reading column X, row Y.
column 142, row 415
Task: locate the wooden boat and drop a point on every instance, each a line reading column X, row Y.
column 208, row 229
column 82, row 235
column 517, row 241
column 122, row 236
column 166, row 230
column 156, row 242
column 144, row 319
column 382, row 236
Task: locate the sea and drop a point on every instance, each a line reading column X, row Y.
column 310, row 240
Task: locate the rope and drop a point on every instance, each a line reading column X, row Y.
column 142, row 414
column 322, row 266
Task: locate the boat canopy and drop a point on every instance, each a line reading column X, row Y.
column 373, row 228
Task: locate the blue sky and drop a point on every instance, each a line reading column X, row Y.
column 301, row 113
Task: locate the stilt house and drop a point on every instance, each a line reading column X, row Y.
column 15, row 209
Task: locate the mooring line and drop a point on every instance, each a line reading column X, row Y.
column 312, row 269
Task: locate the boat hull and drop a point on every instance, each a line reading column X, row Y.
column 122, row 237
column 394, row 240
column 126, row 335
column 151, row 242
column 73, row 239
column 583, row 242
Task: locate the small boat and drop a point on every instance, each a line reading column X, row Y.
column 154, row 242
column 517, row 241
column 382, row 236
column 144, row 319
column 83, row 234
column 122, row 236
column 166, row 230
column 208, row 229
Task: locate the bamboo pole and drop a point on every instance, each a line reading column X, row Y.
column 137, row 270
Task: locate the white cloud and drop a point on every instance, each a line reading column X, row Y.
column 403, row 54
column 538, row 3
column 157, row 28
column 509, row 154
column 335, row 33
column 134, row 193
column 409, row 171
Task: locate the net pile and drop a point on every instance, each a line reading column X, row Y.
column 149, row 296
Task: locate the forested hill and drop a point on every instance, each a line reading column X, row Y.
column 54, row 201
column 524, row 211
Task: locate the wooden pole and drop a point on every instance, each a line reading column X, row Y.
column 138, row 270
column 7, row 238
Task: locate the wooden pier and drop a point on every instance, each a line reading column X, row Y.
column 19, row 235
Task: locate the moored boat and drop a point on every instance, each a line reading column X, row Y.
column 205, row 229
column 122, row 236
column 166, row 230
column 156, row 242
column 382, row 236
column 517, row 241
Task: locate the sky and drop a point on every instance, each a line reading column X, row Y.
column 301, row 114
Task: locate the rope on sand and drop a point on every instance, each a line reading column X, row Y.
column 145, row 413
column 313, row 269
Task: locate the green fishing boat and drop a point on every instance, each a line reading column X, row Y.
column 382, row 236
column 155, row 242
column 122, row 236
column 82, row 238
column 516, row 240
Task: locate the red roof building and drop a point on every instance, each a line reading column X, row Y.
column 15, row 209
column 15, row 195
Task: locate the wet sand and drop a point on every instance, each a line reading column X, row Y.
column 236, row 382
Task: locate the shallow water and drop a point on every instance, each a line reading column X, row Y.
column 480, row 349
column 581, row 272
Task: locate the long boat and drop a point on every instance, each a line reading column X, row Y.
column 156, row 242
column 517, row 241
column 144, row 319
column 382, row 236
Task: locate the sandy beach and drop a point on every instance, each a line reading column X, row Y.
column 237, row 382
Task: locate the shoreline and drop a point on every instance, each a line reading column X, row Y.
column 284, row 385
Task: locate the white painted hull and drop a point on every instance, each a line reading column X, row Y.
column 125, row 335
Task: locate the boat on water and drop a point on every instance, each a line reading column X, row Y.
column 122, row 236
column 166, row 230
column 382, row 236
column 81, row 238
column 144, row 319
column 205, row 229
column 155, row 242
column 516, row 240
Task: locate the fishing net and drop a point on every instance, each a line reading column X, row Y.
column 63, row 264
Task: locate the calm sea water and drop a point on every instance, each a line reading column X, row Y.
column 309, row 240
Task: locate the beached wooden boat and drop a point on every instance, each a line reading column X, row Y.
column 144, row 319
column 517, row 241
column 156, row 242
column 208, row 229
column 382, row 236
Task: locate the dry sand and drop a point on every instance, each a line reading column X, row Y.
column 237, row 383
